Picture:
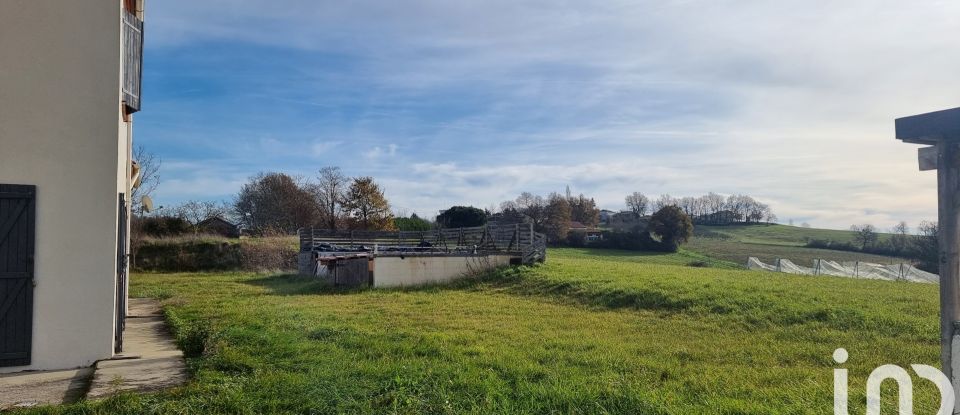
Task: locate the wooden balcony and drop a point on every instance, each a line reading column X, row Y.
column 132, row 61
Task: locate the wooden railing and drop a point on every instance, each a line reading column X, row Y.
column 132, row 60
column 518, row 239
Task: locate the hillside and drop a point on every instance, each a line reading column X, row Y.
column 590, row 331
column 768, row 242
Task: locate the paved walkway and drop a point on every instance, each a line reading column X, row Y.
column 151, row 361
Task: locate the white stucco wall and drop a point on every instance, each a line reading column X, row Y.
column 391, row 271
column 61, row 129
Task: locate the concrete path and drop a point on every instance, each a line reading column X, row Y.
column 151, row 361
column 27, row 389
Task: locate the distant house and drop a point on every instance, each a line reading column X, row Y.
column 605, row 215
column 219, row 226
column 723, row 217
column 625, row 221
column 589, row 233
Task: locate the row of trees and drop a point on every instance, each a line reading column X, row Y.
column 922, row 246
column 277, row 202
column 740, row 207
column 551, row 215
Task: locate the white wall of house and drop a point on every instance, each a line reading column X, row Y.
column 61, row 129
column 395, row 271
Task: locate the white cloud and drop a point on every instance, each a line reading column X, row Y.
column 378, row 152
column 323, row 148
column 791, row 101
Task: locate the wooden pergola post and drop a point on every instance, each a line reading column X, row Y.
column 941, row 131
column 948, row 174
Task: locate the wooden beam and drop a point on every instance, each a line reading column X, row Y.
column 930, row 128
column 927, row 156
column 948, row 190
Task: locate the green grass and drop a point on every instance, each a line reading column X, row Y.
column 768, row 242
column 782, row 234
column 588, row 332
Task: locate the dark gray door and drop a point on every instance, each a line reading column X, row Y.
column 17, row 219
column 121, row 275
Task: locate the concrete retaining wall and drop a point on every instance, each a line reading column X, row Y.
column 391, row 271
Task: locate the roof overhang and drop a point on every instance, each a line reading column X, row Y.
column 930, row 128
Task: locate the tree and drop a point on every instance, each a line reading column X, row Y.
column 509, row 214
column 462, row 217
column 149, row 177
column 533, row 207
column 713, row 202
column 926, row 246
column 584, row 210
column 413, row 223
column 195, row 212
column 864, row 235
column 671, row 226
column 900, row 237
column 557, row 222
column 276, row 202
column 637, row 203
column 663, row 201
column 330, row 191
column 366, row 205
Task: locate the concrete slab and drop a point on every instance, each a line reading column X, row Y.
column 27, row 389
column 150, row 361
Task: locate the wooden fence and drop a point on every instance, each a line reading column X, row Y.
column 518, row 239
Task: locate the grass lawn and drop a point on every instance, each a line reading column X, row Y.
column 588, row 332
column 783, row 234
column 736, row 243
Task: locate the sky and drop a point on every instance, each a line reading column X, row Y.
column 471, row 102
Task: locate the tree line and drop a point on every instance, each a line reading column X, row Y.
column 922, row 246
column 278, row 203
column 739, row 207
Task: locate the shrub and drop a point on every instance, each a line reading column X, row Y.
column 633, row 240
column 672, row 227
column 576, row 239
column 162, row 226
column 462, row 217
column 413, row 223
column 215, row 254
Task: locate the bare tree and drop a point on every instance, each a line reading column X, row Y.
column 196, row 212
column 864, row 235
column 926, row 245
column 276, row 202
column 714, row 202
column 638, row 203
column 149, row 177
column 663, row 201
column 900, row 238
column 331, row 191
column 533, row 206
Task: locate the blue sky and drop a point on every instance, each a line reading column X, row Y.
column 455, row 102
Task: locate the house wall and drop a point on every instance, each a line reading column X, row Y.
column 394, row 271
column 61, row 130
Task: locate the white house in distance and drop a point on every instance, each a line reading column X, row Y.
column 69, row 82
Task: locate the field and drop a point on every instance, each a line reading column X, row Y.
column 769, row 242
column 588, row 332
